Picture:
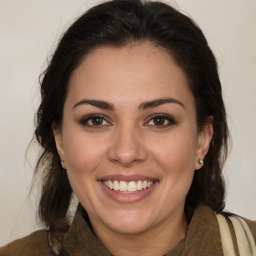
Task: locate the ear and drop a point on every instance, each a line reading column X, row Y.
column 203, row 142
column 58, row 137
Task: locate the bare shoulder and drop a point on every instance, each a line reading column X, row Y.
column 31, row 245
column 252, row 225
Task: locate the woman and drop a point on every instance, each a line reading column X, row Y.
column 133, row 122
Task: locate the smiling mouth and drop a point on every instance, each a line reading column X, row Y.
column 127, row 187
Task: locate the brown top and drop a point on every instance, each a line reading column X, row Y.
column 203, row 238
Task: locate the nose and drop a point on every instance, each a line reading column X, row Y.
column 127, row 147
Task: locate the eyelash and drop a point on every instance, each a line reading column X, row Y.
column 162, row 117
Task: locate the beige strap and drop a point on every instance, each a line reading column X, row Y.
column 225, row 235
column 245, row 241
column 244, row 237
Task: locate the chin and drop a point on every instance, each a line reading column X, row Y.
column 128, row 223
column 129, row 229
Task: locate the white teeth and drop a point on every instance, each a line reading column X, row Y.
column 132, row 187
column 123, row 186
column 116, row 185
column 110, row 184
column 145, row 184
column 139, row 185
column 128, row 187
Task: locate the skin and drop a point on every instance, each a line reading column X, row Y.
column 128, row 140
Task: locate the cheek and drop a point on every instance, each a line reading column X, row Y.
column 82, row 153
column 176, row 152
column 175, row 156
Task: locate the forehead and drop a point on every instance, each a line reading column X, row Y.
column 142, row 71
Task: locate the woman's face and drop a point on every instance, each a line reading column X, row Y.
column 129, row 138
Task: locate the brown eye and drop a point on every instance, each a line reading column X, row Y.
column 161, row 121
column 94, row 121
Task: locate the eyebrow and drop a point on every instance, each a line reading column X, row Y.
column 158, row 102
column 96, row 103
column 145, row 105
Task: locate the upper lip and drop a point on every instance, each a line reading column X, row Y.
column 127, row 178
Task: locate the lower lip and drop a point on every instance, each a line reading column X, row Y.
column 127, row 197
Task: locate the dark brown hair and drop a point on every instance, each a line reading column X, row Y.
column 118, row 23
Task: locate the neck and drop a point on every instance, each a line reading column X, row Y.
column 167, row 233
